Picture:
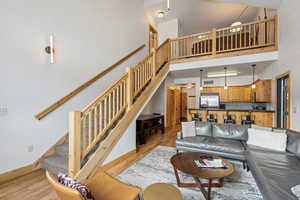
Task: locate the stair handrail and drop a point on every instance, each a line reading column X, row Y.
column 66, row 98
column 90, row 126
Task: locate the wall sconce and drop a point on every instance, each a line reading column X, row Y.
column 50, row 49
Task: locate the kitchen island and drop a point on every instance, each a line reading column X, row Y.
column 260, row 117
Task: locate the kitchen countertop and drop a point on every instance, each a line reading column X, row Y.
column 233, row 110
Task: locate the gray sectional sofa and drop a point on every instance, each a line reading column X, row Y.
column 275, row 172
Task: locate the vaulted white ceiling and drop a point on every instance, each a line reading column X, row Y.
column 202, row 15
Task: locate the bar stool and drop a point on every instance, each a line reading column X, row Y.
column 196, row 117
column 247, row 120
column 229, row 119
column 212, row 118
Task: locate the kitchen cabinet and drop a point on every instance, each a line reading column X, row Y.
column 263, row 91
column 243, row 93
column 263, row 118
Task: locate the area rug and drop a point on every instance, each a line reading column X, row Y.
column 156, row 168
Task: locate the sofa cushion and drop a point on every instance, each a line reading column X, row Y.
column 212, row 144
column 264, row 128
column 203, row 129
column 234, row 132
column 293, row 142
column 275, row 173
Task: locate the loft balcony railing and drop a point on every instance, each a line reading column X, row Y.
column 255, row 36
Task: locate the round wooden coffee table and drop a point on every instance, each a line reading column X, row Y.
column 184, row 162
column 161, row 191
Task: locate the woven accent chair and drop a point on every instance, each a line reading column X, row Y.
column 102, row 186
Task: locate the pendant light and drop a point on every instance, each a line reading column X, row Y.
column 253, row 76
column 225, row 77
column 201, row 78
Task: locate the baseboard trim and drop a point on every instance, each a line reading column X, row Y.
column 118, row 160
column 8, row 176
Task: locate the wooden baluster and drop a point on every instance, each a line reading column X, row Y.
column 129, row 91
column 214, row 42
column 118, row 98
column 154, row 67
column 101, row 117
column 74, row 143
column 276, row 31
column 90, row 132
column 96, row 122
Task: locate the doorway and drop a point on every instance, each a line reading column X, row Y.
column 283, row 100
column 177, row 105
column 153, row 38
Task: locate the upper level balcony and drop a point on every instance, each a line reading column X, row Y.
column 249, row 38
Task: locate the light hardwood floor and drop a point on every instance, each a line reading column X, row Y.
column 34, row 186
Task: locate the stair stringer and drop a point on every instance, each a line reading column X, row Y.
column 105, row 148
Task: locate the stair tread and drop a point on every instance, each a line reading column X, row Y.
column 62, row 149
column 55, row 164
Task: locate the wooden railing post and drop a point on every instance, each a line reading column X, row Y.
column 153, row 62
column 276, row 31
column 129, row 91
column 74, row 142
column 214, row 42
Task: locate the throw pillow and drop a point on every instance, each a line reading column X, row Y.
column 296, row 191
column 74, row 184
column 261, row 127
column 188, row 129
column 267, row 139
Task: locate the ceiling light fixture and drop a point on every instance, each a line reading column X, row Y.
column 225, row 77
column 201, row 77
column 237, row 25
column 222, row 74
column 162, row 13
column 253, row 76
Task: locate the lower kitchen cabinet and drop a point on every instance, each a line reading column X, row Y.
column 263, row 118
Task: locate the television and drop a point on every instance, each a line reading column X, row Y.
column 210, row 100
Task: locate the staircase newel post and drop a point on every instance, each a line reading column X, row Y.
column 169, row 50
column 153, row 52
column 129, row 90
column 214, row 42
column 74, row 142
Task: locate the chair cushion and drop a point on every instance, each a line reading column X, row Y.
column 275, row 173
column 203, row 128
column 212, row 144
column 74, row 184
column 234, row 132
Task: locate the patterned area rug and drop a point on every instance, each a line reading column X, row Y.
column 156, row 167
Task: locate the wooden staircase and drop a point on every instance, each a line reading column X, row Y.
column 95, row 130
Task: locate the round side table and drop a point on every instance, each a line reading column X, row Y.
column 161, row 191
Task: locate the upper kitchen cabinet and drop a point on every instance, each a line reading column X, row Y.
column 263, row 91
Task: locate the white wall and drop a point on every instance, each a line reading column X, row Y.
column 89, row 36
column 289, row 54
column 168, row 29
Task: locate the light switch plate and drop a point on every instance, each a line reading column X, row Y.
column 295, row 109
